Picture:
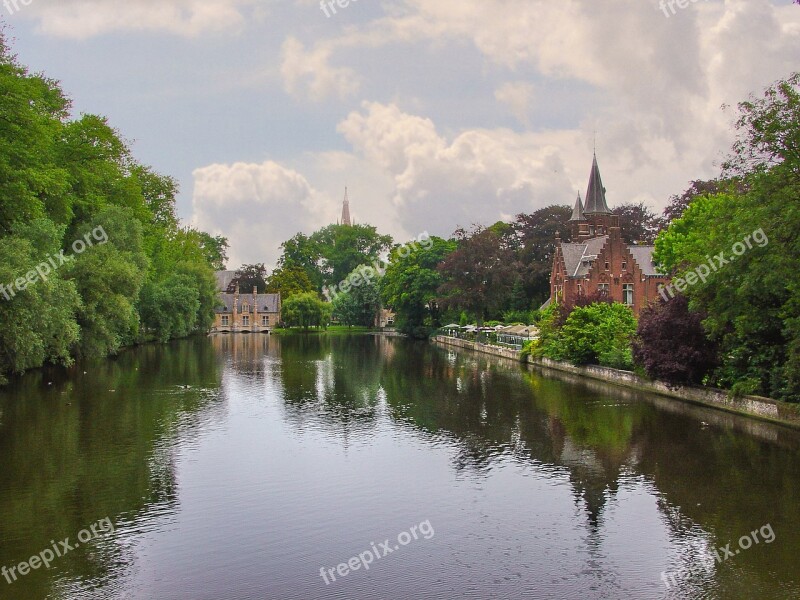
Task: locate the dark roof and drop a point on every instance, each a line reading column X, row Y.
column 577, row 212
column 578, row 257
column 265, row 302
column 224, row 279
column 643, row 255
column 596, row 193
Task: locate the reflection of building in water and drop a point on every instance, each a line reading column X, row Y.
column 245, row 313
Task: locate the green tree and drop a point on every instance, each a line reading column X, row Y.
column 252, row 276
column 411, row 282
column 359, row 305
column 288, row 281
column 305, row 310
column 342, row 248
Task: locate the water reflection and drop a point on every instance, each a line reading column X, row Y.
column 235, row 466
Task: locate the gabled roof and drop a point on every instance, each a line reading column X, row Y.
column 577, row 212
column 596, row 193
column 264, row 302
column 578, row 257
column 224, row 279
column 643, row 255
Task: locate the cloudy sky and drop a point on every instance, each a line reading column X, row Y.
column 435, row 113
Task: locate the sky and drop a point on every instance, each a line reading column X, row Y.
column 434, row 113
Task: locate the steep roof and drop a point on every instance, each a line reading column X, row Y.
column 643, row 255
column 224, row 279
column 578, row 257
column 264, row 302
column 596, row 193
column 577, row 212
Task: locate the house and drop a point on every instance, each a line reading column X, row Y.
column 597, row 260
column 244, row 313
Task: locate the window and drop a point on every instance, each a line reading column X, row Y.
column 265, row 321
column 246, row 307
column 607, row 266
column 602, row 287
column 245, row 320
column 627, row 294
column 225, row 320
column 624, row 266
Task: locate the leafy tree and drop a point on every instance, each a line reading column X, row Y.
column 215, row 249
column 479, row 274
column 411, row 282
column 305, row 310
column 251, row 276
column 342, row 248
column 360, row 304
column 639, row 224
column 671, row 343
column 169, row 308
column 596, row 334
column 38, row 323
column 288, row 281
column 535, row 245
column 108, row 278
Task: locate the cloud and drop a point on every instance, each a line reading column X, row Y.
column 308, row 74
column 81, row 19
column 518, row 96
column 256, row 206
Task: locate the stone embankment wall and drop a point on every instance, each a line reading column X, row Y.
column 754, row 406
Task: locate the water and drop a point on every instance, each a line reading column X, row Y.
column 238, row 467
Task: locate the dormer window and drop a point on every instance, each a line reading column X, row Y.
column 624, row 266
column 607, row 266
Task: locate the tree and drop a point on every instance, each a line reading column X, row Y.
column 671, row 343
column 596, row 334
column 305, row 310
column 535, row 245
column 288, row 281
column 361, row 303
column 251, row 276
column 479, row 274
column 215, row 250
column 411, row 282
column 638, row 223
column 342, row 248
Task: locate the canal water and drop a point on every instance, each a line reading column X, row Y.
column 362, row 467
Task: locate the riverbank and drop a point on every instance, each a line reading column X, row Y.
column 751, row 406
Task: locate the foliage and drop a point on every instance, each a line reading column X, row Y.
column 360, row 304
column 671, row 344
column 288, row 281
column 251, row 276
column 479, row 274
column 305, row 310
column 410, row 285
column 638, row 223
column 596, row 334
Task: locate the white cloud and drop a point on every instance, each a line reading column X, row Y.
column 518, row 96
column 309, row 74
column 257, row 206
column 82, row 19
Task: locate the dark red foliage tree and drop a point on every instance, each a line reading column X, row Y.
column 671, row 344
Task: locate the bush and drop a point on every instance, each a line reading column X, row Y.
column 671, row 343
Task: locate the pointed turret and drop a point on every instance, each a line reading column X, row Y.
column 577, row 212
column 346, row 210
column 596, row 193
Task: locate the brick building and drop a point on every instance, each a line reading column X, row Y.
column 597, row 259
column 244, row 313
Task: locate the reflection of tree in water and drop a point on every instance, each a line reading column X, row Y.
column 490, row 409
column 97, row 445
column 331, row 383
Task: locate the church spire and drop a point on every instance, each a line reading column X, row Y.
column 577, row 212
column 346, row 209
column 596, row 193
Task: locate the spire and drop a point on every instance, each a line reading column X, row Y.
column 346, row 210
column 596, row 193
column 577, row 212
